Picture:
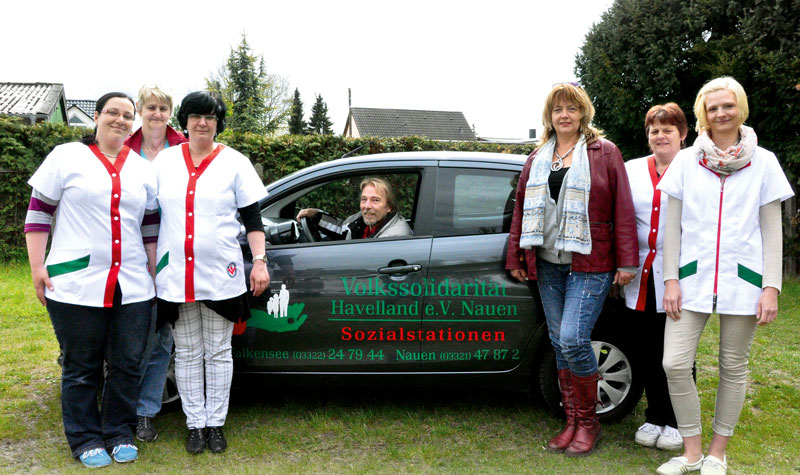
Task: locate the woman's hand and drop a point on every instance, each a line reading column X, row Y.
column 259, row 278
column 672, row 299
column 41, row 279
column 767, row 306
column 519, row 274
column 623, row 278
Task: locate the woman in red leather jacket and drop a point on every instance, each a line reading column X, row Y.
column 574, row 232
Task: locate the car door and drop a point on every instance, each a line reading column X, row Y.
column 342, row 306
column 475, row 317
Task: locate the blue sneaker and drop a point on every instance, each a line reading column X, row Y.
column 95, row 458
column 125, row 453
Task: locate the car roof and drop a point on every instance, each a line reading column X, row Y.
column 403, row 157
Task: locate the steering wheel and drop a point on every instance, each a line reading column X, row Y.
column 310, row 231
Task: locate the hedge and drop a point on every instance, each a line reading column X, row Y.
column 23, row 147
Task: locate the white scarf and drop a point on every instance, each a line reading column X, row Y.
column 727, row 162
column 573, row 230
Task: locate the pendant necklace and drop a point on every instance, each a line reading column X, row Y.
column 559, row 163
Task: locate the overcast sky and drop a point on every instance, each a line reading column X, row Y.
column 493, row 60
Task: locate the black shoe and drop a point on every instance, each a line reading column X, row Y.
column 145, row 430
column 216, row 439
column 195, row 441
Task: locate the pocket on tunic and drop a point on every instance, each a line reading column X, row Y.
column 71, row 260
column 687, row 270
column 750, row 276
column 162, row 263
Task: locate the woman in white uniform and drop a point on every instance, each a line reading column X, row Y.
column 155, row 134
column 202, row 185
column 723, row 249
column 95, row 281
column 666, row 128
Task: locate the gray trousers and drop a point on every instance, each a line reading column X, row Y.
column 680, row 347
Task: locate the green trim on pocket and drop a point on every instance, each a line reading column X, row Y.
column 70, row 266
column 687, row 270
column 163, row 262
column 749, row 275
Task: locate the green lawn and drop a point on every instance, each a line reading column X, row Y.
column 318, row 430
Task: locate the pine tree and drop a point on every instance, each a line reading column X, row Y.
column 297, row 125
column 244, row 88
column 257, row 102
column 320, row 123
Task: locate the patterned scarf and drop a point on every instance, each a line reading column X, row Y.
column 727, row 162
column 573, row 229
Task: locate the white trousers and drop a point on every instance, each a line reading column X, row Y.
column 203, row 364
column 680, row 347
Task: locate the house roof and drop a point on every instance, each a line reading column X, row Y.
column 86, row 105
column 435, row 125
column 30, row 99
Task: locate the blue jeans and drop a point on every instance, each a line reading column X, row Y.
column 155, row 362
column 572, row 302
column 87, row 335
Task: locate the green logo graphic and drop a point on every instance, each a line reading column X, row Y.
column 269, row 322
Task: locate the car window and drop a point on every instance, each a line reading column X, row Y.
column 474, row 201
column 341, row 197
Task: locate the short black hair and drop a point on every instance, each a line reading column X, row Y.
column 203, row 102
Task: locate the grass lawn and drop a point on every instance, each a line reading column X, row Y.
column 318, row 430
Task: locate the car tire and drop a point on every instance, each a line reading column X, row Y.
column 171, row 398
column 619, row 388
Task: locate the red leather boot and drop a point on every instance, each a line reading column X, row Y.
column 588, row 430
column 560, row 442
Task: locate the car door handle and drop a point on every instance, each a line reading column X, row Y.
column 400, row 269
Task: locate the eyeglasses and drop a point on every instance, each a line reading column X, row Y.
column 207, row 117
column 114, row 114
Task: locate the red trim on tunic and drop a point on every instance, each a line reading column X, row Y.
column 116, row 226
column 704, row 164
column 188, row 242
column 652, row 238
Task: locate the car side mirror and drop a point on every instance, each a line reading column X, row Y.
column 282, row 232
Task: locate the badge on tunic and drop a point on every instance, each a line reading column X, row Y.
column 231, row 269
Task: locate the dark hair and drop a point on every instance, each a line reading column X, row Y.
column 99, row 105
column 202, row 102
column 669, row 113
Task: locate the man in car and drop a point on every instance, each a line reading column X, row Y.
column 378, row 217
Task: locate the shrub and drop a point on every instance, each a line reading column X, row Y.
column 24, row 147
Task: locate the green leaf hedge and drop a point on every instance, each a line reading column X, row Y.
column 24, row 147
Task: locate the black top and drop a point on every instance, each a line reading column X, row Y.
column 555, row 181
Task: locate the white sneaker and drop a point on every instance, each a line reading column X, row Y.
column 647, row 434
column 714, row 466
column 679, row 466
column 670, row 439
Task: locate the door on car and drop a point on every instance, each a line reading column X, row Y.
column 340, row 305
column 475, row 317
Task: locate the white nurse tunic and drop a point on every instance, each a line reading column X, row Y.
column 721, row 259
column 97, row 240
column 199, row 257
column 651, row 215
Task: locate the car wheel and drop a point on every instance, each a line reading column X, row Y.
column 171, row 397
column 618, row 390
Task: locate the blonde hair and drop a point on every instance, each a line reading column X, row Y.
column 726, row 83
column 576, row 95
column 382, row 186
column 147, row 93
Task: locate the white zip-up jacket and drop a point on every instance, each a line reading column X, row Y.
column 721, row 259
